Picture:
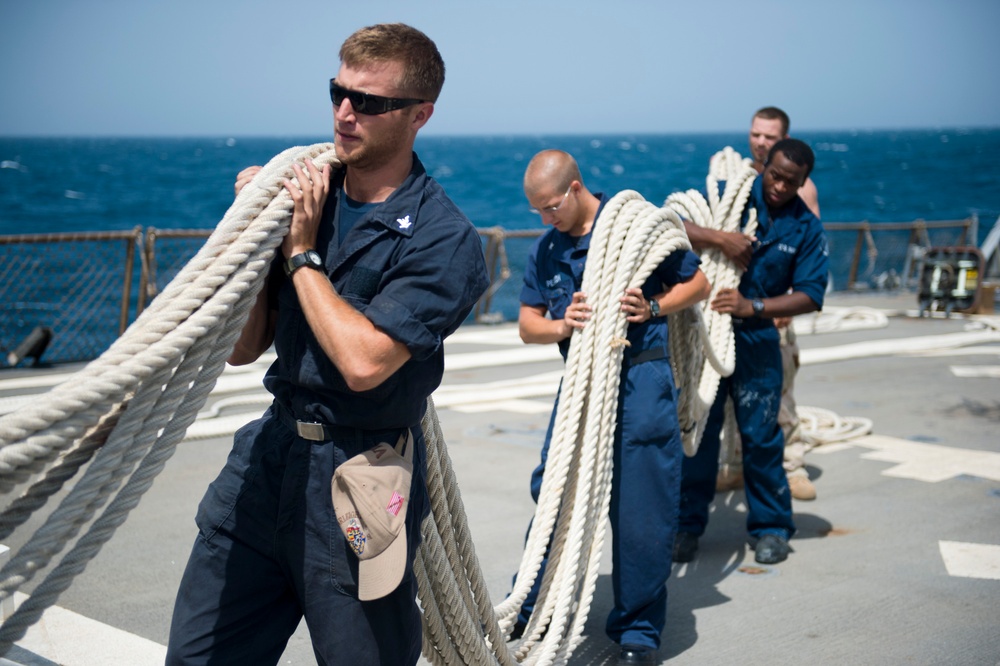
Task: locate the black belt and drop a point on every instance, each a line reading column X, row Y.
column 753, row 323
column 646, row 355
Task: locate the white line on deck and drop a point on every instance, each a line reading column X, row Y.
column 976, row 371
column 496, row 358
column 512, row 406
column 924, row 462
column 501, row 335
column 532, row 386
column 65, row 637
column 971, row 560
column 897, row 346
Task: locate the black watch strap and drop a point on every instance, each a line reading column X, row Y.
column 309, row 258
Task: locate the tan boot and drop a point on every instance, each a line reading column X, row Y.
column 730, row 478
column 802, row 488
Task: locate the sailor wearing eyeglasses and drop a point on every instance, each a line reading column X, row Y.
column 378, row 267
column 645, row 489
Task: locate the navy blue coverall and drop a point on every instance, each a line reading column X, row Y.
column 791, row 253
column 269, row 549
column 645, row 483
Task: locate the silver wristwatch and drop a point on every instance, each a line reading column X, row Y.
column 758, row 307
column 654, row 308
column 308, row 258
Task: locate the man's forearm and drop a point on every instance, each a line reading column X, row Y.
column 788, row 305
column 684, row 294
column 536, row 328
column 700, row 237
column 258, row 332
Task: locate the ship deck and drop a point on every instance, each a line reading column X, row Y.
column 896, row 561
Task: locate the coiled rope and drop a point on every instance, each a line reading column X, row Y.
column 127, row 410
column 821, row 426
column 702, row 339
column 631, row 238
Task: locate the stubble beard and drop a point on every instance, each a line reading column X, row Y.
column 372, row 152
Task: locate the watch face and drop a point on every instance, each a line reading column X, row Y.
column 314, row 258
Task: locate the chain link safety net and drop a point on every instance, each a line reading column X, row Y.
column 75, row 285
column 86, row 288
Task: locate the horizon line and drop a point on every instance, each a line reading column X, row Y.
column 464, row 135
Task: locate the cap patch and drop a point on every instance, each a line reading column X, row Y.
column 355, row 534
column 395, row 503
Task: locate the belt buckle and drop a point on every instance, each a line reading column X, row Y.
column 312, row 431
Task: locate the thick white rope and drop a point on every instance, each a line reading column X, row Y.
column 133, row 404
column 632, row 237
column 821, row 426
column 703, row 348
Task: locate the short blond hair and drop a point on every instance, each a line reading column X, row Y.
column 423, row 68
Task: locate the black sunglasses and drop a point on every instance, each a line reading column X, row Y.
column 369, row 105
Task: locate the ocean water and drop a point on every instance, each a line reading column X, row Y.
column 103, row 184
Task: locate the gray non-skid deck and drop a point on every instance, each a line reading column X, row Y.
column 897, row 561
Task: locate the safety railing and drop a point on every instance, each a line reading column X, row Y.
column 889, row 254
column 498, row 266
column 166, row 251
column 75, row 286
column 85, row 288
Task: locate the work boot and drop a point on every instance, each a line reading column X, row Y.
column 802, row 488
column 771, row 549
column 637, row 654
column 685, row 546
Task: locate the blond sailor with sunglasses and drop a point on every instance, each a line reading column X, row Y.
column 378, row 267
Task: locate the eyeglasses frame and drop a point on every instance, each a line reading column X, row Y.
column 366, row 103
column 553, row 209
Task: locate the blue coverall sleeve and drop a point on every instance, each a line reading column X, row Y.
column 678, row 267
column 531, row 290
column 812, row 264
column 432, row 287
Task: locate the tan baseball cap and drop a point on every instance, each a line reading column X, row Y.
column 370, row 493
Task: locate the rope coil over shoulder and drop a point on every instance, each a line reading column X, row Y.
column 127, row 410
column 700, row 338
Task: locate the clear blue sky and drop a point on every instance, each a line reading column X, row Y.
column 260, row 67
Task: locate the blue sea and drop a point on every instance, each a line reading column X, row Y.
column 104, row 184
